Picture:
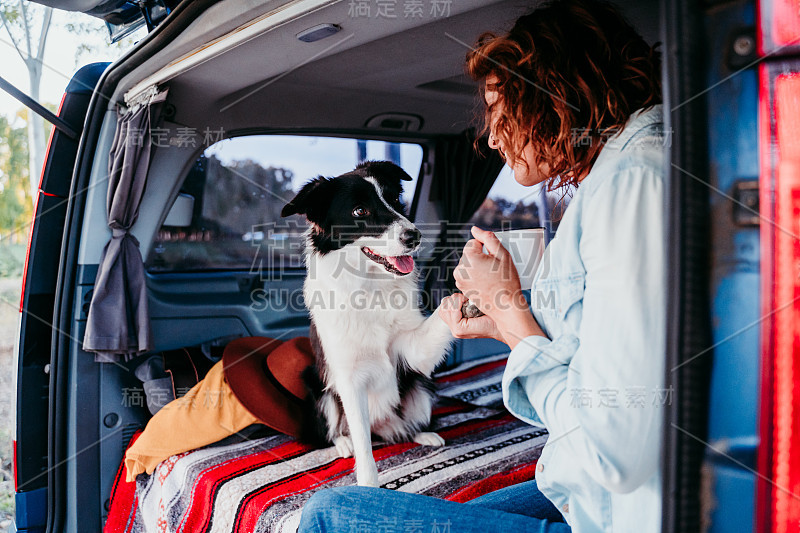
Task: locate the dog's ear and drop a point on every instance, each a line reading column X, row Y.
column 384, row 170
column 308, row 198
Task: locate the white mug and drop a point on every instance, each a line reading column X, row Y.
column 526, row 247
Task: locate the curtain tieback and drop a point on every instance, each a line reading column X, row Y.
column 121, row 233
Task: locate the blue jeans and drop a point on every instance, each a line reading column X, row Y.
column 369, row 510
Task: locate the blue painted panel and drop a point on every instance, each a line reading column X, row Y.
column 732, row 505
column 31, row 509
column 735, row 377
column 732, row 101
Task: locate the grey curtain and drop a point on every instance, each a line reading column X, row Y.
column 118, row 323
column 462, row 177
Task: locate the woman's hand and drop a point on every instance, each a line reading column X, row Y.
column 491, row 282
column 480, row 327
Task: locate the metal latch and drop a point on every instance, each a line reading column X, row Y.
column 745, row 205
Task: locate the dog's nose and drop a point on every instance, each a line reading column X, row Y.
column 410, row 238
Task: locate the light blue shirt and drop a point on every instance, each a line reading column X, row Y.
column 597, row 382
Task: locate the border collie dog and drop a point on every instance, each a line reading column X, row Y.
column 374, row 349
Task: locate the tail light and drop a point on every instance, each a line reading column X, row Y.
column 14, row 451
column 779, row 26
column 779, row 451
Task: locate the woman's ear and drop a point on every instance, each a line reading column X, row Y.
column 309, row 197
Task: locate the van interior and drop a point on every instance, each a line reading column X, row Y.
column 261, row 96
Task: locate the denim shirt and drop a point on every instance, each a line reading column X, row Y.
column 596, row 382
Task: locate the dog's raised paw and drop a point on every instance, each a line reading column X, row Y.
column 344, row 445
column 428, row 438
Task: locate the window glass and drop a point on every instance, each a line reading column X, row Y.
column 239, row 187
column 510, row 205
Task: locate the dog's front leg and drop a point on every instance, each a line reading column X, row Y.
column 356, row 411
column 425, row 346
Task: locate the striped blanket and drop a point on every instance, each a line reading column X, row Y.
column 258, row 481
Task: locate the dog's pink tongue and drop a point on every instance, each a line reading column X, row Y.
column 403, row 263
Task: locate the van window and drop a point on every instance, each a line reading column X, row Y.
column 510, row 205
column 239, row 187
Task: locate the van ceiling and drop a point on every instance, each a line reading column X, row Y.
column 372, row 66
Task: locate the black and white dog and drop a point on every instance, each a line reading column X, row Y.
column 375, row 351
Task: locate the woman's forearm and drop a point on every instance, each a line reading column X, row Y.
column 515, row 321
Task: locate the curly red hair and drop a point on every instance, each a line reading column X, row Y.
column 568, row 76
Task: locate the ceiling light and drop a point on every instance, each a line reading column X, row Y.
column 318, row 32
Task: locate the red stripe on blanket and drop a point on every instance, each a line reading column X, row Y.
column 473, row 426
column 493, row 483
column 470, row 372
column 254, row 504
column 123, row 500
column 200, row 508
column 457, row 406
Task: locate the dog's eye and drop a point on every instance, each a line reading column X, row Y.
column 360, row 212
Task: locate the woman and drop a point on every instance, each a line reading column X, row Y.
column 572, row 96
